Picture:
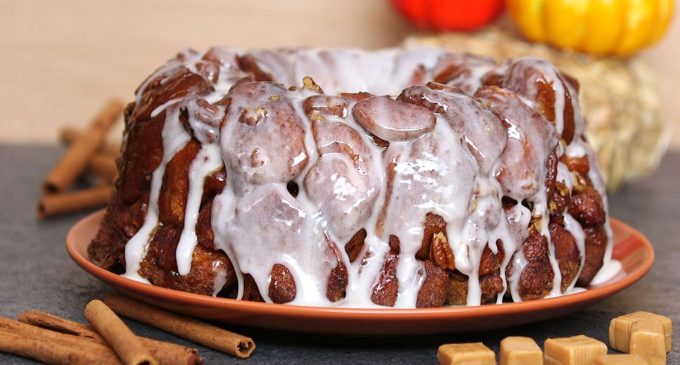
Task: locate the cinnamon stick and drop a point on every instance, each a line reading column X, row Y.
column 102, row 163
column 69, row 135
column 56, row 323
column 50, row 346
column 182, row 326
column 117, row 334
column 165, row 352
column 75, row 159
column 46, row 351
column 55, row 204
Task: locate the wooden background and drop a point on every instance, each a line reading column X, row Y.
column 60, row 59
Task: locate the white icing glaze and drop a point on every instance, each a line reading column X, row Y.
column 208, row 160
column 577, row 231
column 608, row 271
column 424, row 182
column 459, row 170
column 575, row 290
column 174, row 138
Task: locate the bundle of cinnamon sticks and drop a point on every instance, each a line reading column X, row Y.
column 87, row 154
column 107, row 340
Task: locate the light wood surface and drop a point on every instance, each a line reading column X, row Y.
column 60, row 60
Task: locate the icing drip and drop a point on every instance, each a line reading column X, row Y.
column 306, row 171
column 207, row 161
column 174, row 138
column 424, row 182
column 575, row 229
column 608, row 271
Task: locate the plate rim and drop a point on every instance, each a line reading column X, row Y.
column 292, row 311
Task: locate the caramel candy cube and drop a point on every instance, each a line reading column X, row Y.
column 647, row 340
column 520, row 351
column 465, row 354
column 620, row 359
column 577, row 350
column 620, row 329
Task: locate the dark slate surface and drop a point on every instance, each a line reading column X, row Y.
column 35, row 272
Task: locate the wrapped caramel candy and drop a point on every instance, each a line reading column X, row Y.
column 520, row 351
column 465, row 353
column 647, row 340
column 620, row 329
column 576, row 350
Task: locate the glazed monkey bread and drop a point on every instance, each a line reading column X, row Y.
column 399, row 178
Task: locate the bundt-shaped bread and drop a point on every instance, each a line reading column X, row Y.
column 406, row 178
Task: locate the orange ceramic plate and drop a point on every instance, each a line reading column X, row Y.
column 630, row 247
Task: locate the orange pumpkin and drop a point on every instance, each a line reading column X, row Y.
column 446, row 15
column 599, row 27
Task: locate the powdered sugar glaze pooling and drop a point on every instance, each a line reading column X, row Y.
column 410, row 177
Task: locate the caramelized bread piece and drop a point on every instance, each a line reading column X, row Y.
column 317, row 105
column 338, row 278
column 108, row 246
column 250, row 291
column 281, row 285
column 566, row 252
column 587, row 207
column 535, row 282
column 179, row 83
column 433, row 292
column 490, row 285
column 208, row 267
column 141, row 155
column 172, row 199
column 204, row 232
column 491, row 262
column 337, row 283
column 404, row 121
column 457, row 290
column 596, row 245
